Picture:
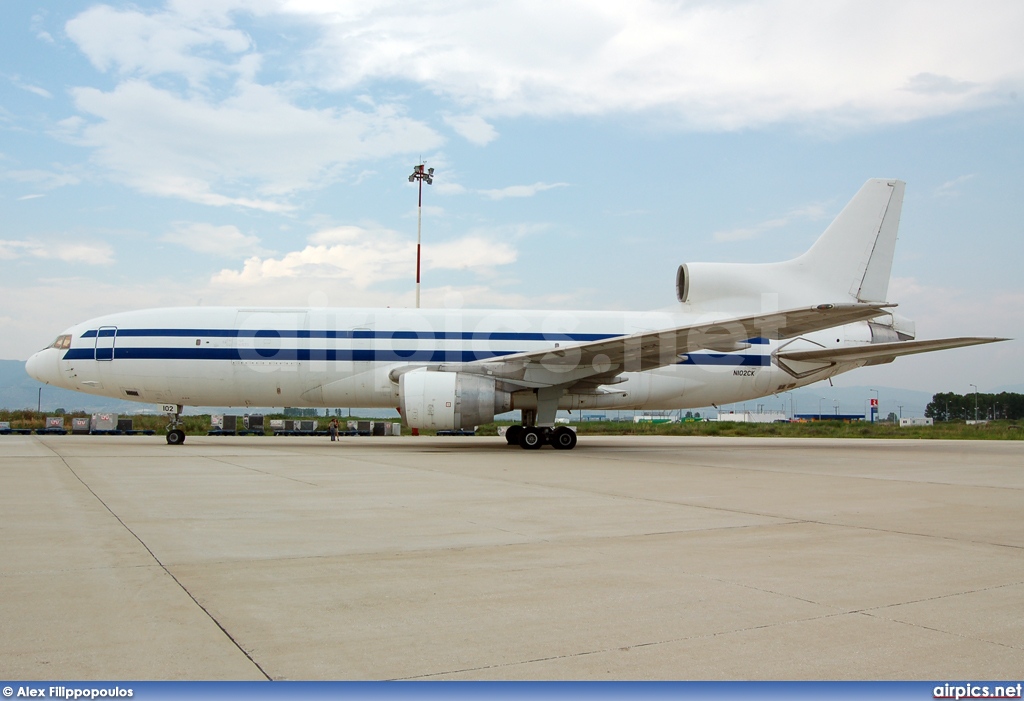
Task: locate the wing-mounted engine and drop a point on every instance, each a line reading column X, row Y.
column 446, row 401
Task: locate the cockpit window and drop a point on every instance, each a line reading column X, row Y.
column 62, row 342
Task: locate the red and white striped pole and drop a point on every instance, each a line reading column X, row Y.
column 419, row 175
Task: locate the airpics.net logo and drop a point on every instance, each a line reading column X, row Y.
column 977, row 691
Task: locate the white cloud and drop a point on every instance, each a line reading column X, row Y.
column 950, row 188
column 931, row 84
column 190, row 119
column 224, row 241
column 34, row 89
column 955, row 311
column 188, row 147
column 355, row 257
column 520, row 190
column 135, row 43
column 218, row 138
column 708, row 65
column 43, row 178
column 89, row 253
column 446, row 188
column 810, row 212
column 473, row 129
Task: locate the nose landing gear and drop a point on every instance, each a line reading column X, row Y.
column 175, row 434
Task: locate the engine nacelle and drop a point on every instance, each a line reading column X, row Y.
column 743, row 286
column 445, row 401
column 699, row 283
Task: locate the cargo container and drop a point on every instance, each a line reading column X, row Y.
column 103, row 423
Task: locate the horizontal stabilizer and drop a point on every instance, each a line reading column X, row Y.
column 881, row 352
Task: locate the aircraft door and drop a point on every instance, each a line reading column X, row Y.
column 105, row 338
column 88, row 373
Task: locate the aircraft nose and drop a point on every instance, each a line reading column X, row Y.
column 42, row 366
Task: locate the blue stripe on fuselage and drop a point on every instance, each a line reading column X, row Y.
column 355, row 334
column 365, row 334
column 363, row 355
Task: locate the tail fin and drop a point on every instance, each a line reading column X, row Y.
column 851, row 261
column 854, row 255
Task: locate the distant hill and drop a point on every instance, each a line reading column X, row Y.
column 19, row 391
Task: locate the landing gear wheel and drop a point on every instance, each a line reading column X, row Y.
column 563, row 438
column 175, row 437
column 512, row 434
column 531, row 438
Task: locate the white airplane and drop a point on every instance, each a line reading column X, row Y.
column 739, row 331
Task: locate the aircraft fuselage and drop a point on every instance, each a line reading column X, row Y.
column 320, row 357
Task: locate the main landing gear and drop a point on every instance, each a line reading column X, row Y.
column 534, row 437
column 175, row 435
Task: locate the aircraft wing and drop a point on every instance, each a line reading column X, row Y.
column 879, row 353
column 648, row 350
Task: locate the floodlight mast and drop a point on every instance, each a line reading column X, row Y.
column 419, row 175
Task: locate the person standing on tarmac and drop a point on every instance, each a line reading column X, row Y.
column 334, row 429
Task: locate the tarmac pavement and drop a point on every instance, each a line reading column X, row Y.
column 462, row 558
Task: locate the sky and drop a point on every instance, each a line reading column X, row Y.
column 208, row 152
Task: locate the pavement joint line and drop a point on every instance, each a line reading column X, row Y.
column 532, row 540
column 733, row 631
column 736, row 511
column 801, row 473
column 873, row 609
column 744, row 585
column 764, row 514
column 73, row 570
column 507, row 530
column 876, row 605
column 938, row 630
column 626, row 648
column 166, row 570
column 785, row 518
column 753, row 513
column 262, row 472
